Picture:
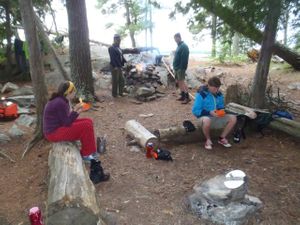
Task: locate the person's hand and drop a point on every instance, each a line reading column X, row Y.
column 213, row 113
column 78, row 107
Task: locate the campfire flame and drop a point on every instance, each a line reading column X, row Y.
column 140, row 67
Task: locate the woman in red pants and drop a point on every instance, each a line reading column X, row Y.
column 61, row 123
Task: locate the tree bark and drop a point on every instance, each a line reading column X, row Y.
column 128, row 24
column 47, row 41
column 178, row 134
column 80, row 56
column 214, row 36
column 140, row 133
column 238, row 24
column 235, row 46
column 72, row 198
column 257, row 95
column 35, row 62
column 8, row 36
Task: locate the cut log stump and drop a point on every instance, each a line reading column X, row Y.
column 140, row 133
column 72, row 198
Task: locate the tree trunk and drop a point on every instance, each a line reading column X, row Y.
column 8, row 36
column 285, row 26
column 47, row 41
column 35, row 62
column 80, row 56
column 214, row 36
column 178, row 134
column 72, row 199
column 238, row 24
column 257, row 95
column 236, row 42
column 129, row 23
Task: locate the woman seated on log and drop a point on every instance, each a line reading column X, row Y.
column 209, row 106
column 61, row 123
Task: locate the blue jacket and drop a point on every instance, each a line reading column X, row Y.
column 206, row 102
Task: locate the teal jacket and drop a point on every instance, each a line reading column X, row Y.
column 181, row 57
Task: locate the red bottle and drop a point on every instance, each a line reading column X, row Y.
column 35, row 216
column 149, row 150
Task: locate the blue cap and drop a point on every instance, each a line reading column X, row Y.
column 117, row 36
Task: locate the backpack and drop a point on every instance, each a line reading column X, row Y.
column 162, row 154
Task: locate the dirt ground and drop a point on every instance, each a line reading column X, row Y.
column 143, row 191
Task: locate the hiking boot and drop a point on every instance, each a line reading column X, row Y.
column 224, row 142
column 97, row 174
column 208, row 144
column 182, row 97
column 186, row 98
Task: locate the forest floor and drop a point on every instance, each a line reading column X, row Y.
column 144, row 191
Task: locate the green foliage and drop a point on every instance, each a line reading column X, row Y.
column 135, row 21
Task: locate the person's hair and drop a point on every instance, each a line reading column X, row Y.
column 214, row 81
column 177, row 35
column 61, row 91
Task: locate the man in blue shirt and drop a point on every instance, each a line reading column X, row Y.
column 209, row 107
column 117, row 61
column 180, row 64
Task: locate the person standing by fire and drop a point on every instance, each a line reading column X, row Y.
column 180, row 64
column 117, row 61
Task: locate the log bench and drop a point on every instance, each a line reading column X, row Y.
column 72, row 198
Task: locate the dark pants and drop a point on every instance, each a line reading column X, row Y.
column 118, row 81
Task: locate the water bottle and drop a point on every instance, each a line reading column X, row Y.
column 35, row 216
column 149, row 149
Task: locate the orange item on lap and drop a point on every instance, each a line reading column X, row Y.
column 220, row 112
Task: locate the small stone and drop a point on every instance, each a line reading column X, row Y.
column 4, row 138
column 14, row 131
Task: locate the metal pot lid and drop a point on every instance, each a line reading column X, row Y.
column 234, row 179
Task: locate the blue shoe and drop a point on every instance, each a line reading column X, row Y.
column 87, row 159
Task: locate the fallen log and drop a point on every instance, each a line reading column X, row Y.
column 287, row 126
column 72, row 198
column 178, row 133
column 140, row 133
column 281, row 124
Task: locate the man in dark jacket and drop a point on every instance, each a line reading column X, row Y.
column 180, row 64
column 117, row 62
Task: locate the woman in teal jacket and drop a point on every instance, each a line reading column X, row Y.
column 209, row 107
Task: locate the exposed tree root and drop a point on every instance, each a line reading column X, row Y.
column 4, row 155
column 37, row 137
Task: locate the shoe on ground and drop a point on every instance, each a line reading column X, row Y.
column 89, row 158
column 208, row 145
column 186, row 101
column 224, row 142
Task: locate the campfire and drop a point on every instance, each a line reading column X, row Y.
column 142, row 81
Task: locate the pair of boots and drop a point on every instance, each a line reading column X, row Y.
column 184, row 98
column 97, row 174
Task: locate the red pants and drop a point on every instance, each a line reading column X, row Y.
column 81, row 129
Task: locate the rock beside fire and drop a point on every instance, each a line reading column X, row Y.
column 214, row 201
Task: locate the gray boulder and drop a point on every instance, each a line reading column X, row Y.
column 15, row 131
column 213, row 200
column 144, row 92
column 26, row 120
column 8, row 87
column 4, row 138
column 26, row 90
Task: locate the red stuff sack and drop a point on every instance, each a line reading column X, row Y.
column 8, row 110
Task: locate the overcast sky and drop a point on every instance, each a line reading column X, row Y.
column 163, row 31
